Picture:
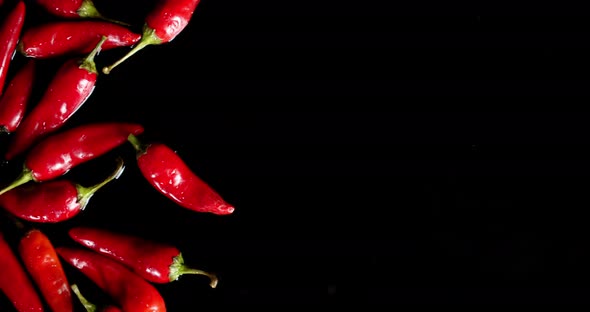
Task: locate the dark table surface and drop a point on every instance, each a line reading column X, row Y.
column 374, row 154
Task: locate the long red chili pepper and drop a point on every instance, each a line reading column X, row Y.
column 74, row 9
column 10, row 31
column 163, row 168
column 73, row 38
column 168, row 19
column 58, row 153
column 131, row 292
column 15, row 283
column 71, row 86
column 14, row 101
column 89, row 306
column 43, row 264
column 52, row 201
column 155, row 261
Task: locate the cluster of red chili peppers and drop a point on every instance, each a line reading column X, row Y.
column 125, row 267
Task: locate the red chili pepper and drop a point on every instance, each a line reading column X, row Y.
column 131, row 292
column 43, row 264
column 74, row 9
column 10, row 31
column 163, row 168
column 14, row 101
column 90, row 307
column 58, row 153
column 73, row 37
column 52, row 201
column 168, row 19
column 71, row 86
column 15, row 283
column 155, row 261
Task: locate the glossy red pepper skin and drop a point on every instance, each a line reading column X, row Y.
column 14, row 101
column 73, row 38
column 58, row 153
column 70, row 88
column 170, row 17
column 15, row 283
column 53, row 201
column 10, row 31
column 167, row 172
column 154, row 261
column 162, row 24
column 131, row 292
column 44, row 266
column 70, row 8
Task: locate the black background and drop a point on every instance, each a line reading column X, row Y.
column 401, row 154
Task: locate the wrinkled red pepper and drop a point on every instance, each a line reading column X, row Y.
column 131, row 292
column 73, row 38
column 70, row 88
column 166, row 21
column 43, row 264
column 10, row 31
column 89, row 306
column 53, row 201
column 15, row 283
column 58, row 153
column 155, row 261
column 163, row 168
column 73, row 9
column 14, row 101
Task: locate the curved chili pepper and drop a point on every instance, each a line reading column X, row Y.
column 15, row 283
column 131, row 292
column 73, row 37
column 14, row 101
column 170, row 175
column 74, row 9
column 43, row 264
column 52, row 201
column 90, row 307
column 155, row 261
column 71, row 86
column 168, row 19
column 58, row 153
column 10, row 31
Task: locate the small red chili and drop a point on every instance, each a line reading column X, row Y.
column 74, row 9
column 131, row 292
column 58, row 153
column 44, row 266
column 167, row 172
column 73, row 38
column 52, row 201
column 15, row 282
column 155, row 261
column 14, row 101
column 70, row 88
column 89, row 306
column 168, row 19
column 10, row 31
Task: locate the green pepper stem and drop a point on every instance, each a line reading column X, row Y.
column 85, row 193
column 178, row 268
column 25, row 176
column 89, row 10
column 88, row 62
column 89, row 306
column 148, row 37
column 139, row 147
